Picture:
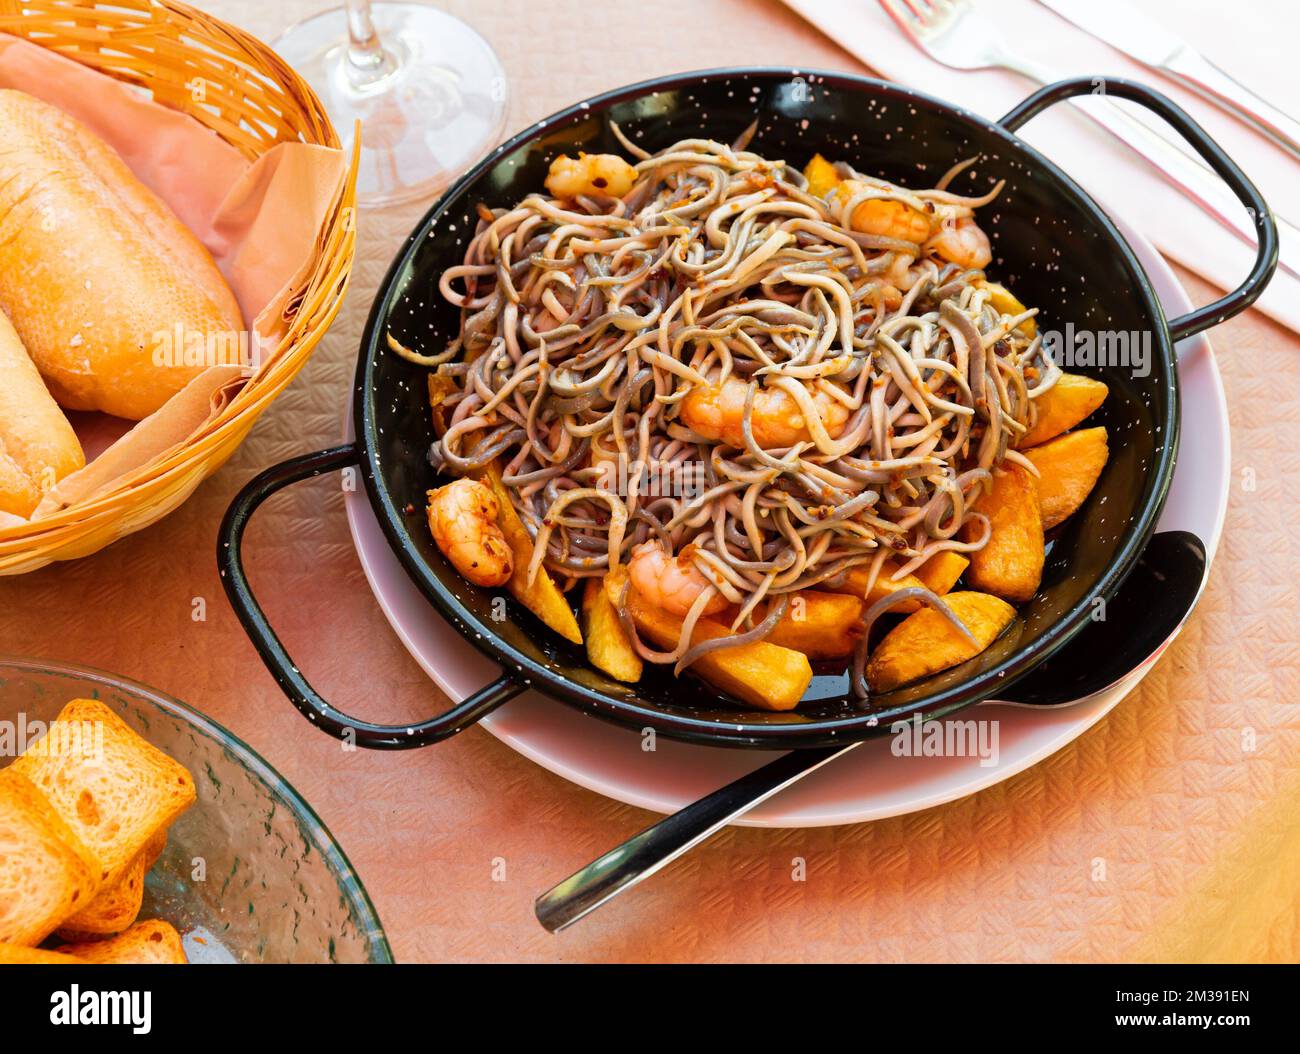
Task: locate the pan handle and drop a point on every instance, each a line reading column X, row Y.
column 1265, row 258
column 230, row 562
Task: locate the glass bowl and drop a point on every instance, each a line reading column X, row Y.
column 250, row 874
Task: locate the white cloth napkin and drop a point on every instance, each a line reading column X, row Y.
column 1118, row 179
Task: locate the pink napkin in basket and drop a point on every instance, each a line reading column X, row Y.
column 260, row 221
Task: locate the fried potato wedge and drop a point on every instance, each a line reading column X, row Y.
column 440, row 386
column 821, row 625
column 821, row 176
column 855, row 584
column 1068, row 469
column 1007, row 303
column 938, row 574
column 607, row 645
column 1011, row 564
column 926, row 642
column 1062, row 406
column 941, row 572
column 543, row 598
column 763, row 675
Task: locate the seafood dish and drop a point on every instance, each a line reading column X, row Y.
column 751, row 418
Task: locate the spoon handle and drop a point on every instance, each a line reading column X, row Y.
column 659, row 845
column 1143, row 615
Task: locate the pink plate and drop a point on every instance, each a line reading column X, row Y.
column 872, row 782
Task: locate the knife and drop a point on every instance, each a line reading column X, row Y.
column 1125, row 29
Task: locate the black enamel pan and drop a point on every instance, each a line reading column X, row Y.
column 1052, row 244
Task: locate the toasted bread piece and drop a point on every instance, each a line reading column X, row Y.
column 20, row 954
column 150, row 942
column 116, row 907
column 153, row 849
column 46, row 873
column 116, row 803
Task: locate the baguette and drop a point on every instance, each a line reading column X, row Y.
column 100, row 278
column 37, row 445
column 18, row 492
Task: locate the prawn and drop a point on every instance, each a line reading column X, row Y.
column 961, row 241
column 717, row 413
column 953, row 236
column 604, row 174
column 463, row 521
column 885, row 217
column 670, row 584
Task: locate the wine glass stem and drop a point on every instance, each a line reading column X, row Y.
column 367, row 60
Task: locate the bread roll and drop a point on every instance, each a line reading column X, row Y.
column 18, row 494
column 98, row 276
column 37, row 445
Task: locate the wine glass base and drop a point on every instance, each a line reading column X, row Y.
column 435, row 104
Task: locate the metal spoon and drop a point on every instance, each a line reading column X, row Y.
column 1140, row 619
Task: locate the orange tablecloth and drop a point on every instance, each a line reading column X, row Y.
column 1201, row 838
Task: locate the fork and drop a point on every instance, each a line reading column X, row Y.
column 955, row 33
column 960, row 36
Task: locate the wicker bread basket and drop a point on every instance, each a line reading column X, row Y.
column 253, row 101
